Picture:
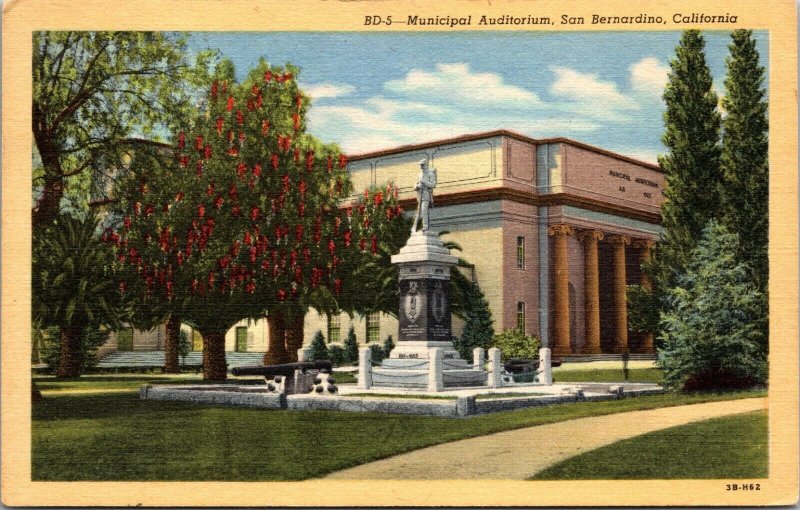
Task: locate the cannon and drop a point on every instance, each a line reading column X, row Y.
column 289, row 378
column 284, row 369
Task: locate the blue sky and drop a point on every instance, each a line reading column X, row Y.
column 373, row 91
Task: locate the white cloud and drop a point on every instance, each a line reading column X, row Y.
column 649, row 76
column 457, row 82
column 327, row 90
column 587, row 87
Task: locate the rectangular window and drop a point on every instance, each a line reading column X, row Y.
column 373, row 327
column 520, row 252
column 334, row 327
column 521, row 316
column 241, row 339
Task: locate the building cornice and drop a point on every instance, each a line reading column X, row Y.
column 554, row 199
column 504, row 133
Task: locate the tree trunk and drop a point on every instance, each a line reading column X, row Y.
column 294, row 336
column 71, row 356
column 214, row 366
column 276, row 349
column 48, row 205
column 173, row 330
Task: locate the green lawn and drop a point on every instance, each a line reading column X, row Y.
column 640, row 375
column 732, row 447
column 119, row 437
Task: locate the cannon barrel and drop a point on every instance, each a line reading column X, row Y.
column 285, row 369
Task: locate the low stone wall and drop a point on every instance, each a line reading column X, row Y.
column 464, row 406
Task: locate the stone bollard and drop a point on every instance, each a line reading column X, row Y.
column 435, row 375
column 304, row 354
column 364, row 368
column 477, row 358
column 545, row 367
column 496, row 376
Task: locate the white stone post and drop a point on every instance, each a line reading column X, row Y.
column 496, row 377
column 303, row 354
column 364, row 368
column 545, row 367
column 435, row 375
column 477, row 358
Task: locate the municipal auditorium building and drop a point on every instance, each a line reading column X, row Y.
column 556, row 230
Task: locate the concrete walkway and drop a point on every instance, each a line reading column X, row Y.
column 519, row 454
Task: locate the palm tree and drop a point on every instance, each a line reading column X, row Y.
column 73, row 285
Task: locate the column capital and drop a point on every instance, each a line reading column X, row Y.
column 560, row 229
column 647, row 244
column 618, row 239
column 590, row 234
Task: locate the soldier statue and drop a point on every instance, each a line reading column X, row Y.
column 424, row 188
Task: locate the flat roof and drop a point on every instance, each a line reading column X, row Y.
column 502, row 132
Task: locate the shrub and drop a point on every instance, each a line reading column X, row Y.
column 319, row 350
column 351, row 347
column 515, row 344
column 388, row 346
column 713, row 323
column 479, row 329
column 377, row 353
column 184, row 344
column 336, row 355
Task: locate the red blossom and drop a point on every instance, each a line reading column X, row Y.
column 296, row 121
column 342, row 161
column 236, row 210
column 214, row 89
column 253, row 253
column 233, row 192
column 374, row 245
column 255, row 90
column 199, row 168
column 220, row 124
column 348, row 237
column 301, row 209
column 137, row 208
column 309, row 161
column 218, row 202
column 286, row 182
column 251, row 287
column 198, row 142
column 298, row 100
column 149, row 210
column 378, row 198
column 210, row 189
column 257, row 170
column 264, row 127
column 268, row 76
column 254, row 213
column 331, row 246
column 337, row 286
column 122, row 287
column 181, row 140
column 281, row 295
column 233, row 151
column 127, row 222
column 241, row 170
column 207, row 151
column 329, row 164
column 201, row 210
column 184, row 161
column 275, row 161
column 239, row 117
column 230, row 104
column 248, row 239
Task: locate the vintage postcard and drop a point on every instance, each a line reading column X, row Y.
column 365, row 254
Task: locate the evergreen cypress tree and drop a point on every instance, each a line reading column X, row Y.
column 744, row 155
column 692, row 126
column 351, row 347
column 388, row 346
column 713, row 322
column 478, row 330
column 318, row 348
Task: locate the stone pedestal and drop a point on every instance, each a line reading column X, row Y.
column 424, row 279
column 425, row 357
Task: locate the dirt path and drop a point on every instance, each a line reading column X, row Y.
column 519, row 454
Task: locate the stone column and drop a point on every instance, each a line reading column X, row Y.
column 646, row 247
column 619, row 242
column 364, row 368
column 591, row 290
column 435, row 370
column 477, row 358
column 561, row 342
column 545, row 367
column 496, row 377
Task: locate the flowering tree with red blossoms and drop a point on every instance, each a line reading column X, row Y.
column 248, row 220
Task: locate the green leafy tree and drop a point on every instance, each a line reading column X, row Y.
column 74, row 287
column 744, row 161
column 245, row 218
column 319, row 350
column 691, row 165
column 92, row 337
column 351, row 347
column 713, row 336
column 514, row 343
column 184, row 345
column 377, row 353
column 479, row 328
column 97, row 96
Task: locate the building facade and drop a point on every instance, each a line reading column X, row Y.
column 556, row 230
